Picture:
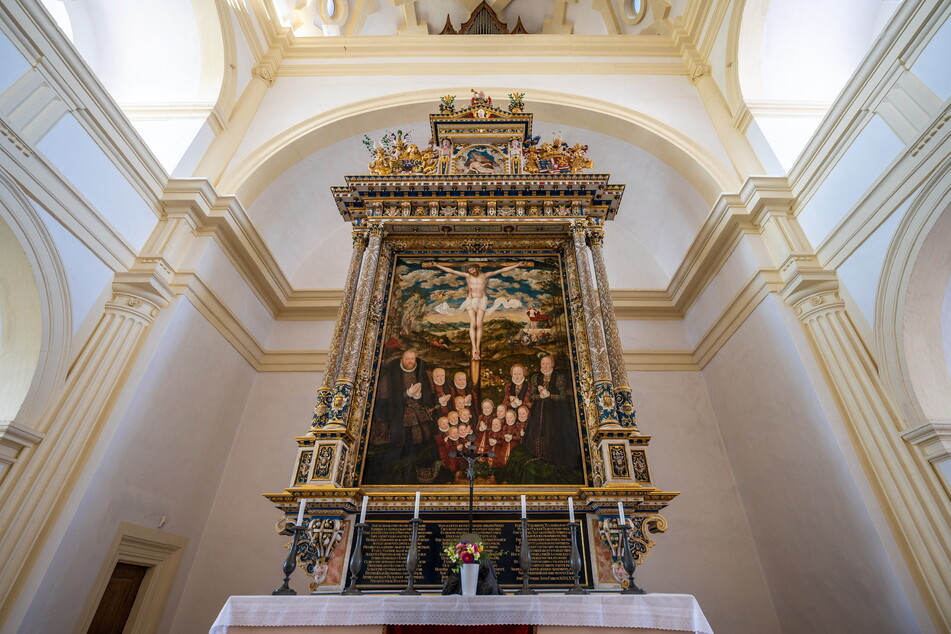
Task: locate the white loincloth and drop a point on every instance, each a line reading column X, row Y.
column 479, row 302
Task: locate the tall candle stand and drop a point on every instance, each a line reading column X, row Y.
column 412, row 557
column 290, row 563
column 356, row 561
column 575, row 560
column 525, row 560
column 627, row 559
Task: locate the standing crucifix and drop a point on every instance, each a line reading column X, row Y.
column 471, row 455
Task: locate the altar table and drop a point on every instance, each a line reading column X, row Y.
column 326, row 614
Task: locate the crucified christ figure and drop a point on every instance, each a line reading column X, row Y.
column 477, row 302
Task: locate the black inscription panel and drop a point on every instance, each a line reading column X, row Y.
column 387, row 541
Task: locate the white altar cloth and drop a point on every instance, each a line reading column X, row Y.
column 651, row 612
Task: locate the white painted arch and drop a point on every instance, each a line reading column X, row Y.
column 35, row 308
column 709, row 176
column 911, row 306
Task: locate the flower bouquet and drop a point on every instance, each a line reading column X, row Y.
column 470, row 570
column 463, row 553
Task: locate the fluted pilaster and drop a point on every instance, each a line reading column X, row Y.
column 38, row 487
column 343, row 385
column 915, row 502
column 623, row 397
column 597, row 346
column 340, row 331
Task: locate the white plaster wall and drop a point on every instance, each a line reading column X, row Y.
column 73, row 152
column 863, row 162
column 12, row 62
column 671, row 100
column 825, row 564
column 765, row 151
column 735, row 273
column 301, row 335
column 653, row 334
column 946, row 326
column 86, row 275
column 862, row 270
column 932, row 64
column 224, row 280
column 128, row 46
column 708, row 549
column 810, row 48
column 240, row 551
column 162, row 453
column 661, row 211
column 784, row 137
column 169, row 139
column 193, row 153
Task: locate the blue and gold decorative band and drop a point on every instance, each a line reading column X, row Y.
column 624, row 402
column 322, row 408
column 604, row 397
column 339, row 406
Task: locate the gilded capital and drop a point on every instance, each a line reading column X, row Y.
column 375, row 230
column 359, row 238
column 596, row 237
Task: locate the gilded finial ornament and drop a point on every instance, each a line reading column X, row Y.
column 446, row 104
column 516, row 103
column 556, row 157
column 394, row 156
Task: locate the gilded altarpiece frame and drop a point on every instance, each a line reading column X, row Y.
column 516, row 252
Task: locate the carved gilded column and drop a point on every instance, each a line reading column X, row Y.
column 597, row 347
column 912, row 494
column 37, row 488
column 343, row 385
column 623, row 399
column 340, row 331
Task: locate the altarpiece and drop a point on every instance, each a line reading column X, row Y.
column 476, row 305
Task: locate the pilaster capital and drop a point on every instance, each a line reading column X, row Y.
column 579, row 232
column 18, row 436
column 697, row 71
column 140, row 295
column 375, row 230
column 596, row 237
column 933, row 437
column 807, row 287
column 359, row 239
column 266, row 70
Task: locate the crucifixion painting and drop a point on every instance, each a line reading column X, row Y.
column 485, row 360
column 476, row 303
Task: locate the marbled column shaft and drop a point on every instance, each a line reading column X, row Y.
column 624, row 399
column 340, row 331
column 597, row 346
column 343, row 384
